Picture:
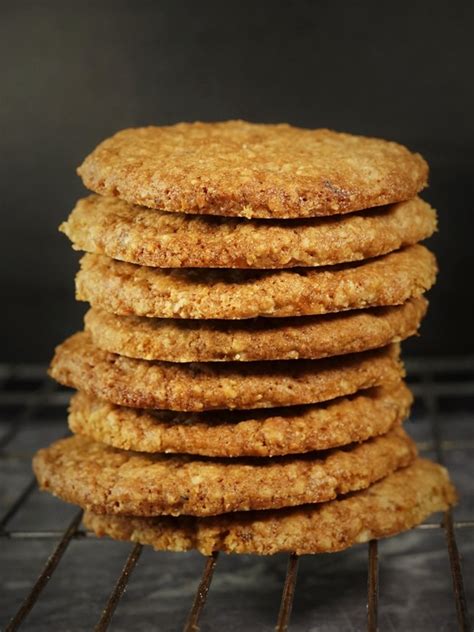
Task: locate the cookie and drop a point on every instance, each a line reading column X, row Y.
column 275, row 432
column 313, row 337
column 251, row 170
column 124, row 288
column 106, row 480
column 397, row 503
column 109, row 226
column 204, row 386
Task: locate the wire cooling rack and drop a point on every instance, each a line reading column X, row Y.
column 57, row 576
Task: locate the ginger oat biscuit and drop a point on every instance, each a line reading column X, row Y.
column 251, row 170
column 106, row 480
column 125, row 289
column 205, row 386
column 109, row 226
column 275, row 432
column 397, row 503
column 178, row 340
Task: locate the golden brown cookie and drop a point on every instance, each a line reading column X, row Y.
column 275, row 432
column 205, row 386
column 396, row 503
column 106, row 480
column 109, row 226
column 251, row 170
column 313, row 337
column 124, row 288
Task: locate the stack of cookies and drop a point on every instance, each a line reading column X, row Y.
column 239, row 381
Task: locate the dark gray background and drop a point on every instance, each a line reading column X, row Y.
column 73, row 73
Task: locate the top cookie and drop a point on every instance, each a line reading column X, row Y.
column 243, row 169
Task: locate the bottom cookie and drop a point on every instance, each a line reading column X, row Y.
column 397, row 503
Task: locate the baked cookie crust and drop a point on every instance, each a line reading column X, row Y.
column 274, row 432
column 106, row 480
column 109, row 226
column 252, row 170
column 206, row 386
column 397, row 503
column 306, row 337
column 125, row 289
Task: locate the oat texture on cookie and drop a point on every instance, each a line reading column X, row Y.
column 250, row 170
column 178, row 340
column 207, row 386
column 397, row 503
column 239, row 386
column 112, row 227
column 243, row 433
column 106, row 480
column 125, row 289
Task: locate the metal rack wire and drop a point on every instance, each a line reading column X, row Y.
column 25, row 390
